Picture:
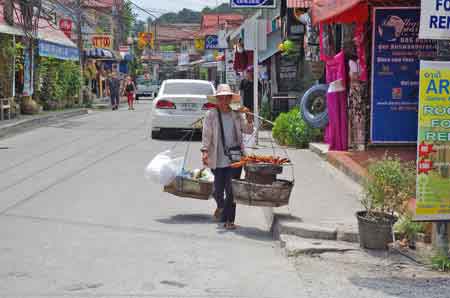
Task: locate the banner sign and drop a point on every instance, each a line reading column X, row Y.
column 199, row 44
column 48, row 49
column 229, row 67
column 435, row 19
column 253, row 4
column 102, row 41
column 27, row 71
column 396, row 51
column 433, row 152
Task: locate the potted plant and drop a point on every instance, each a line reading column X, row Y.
column 387, row 190
column 409, row 230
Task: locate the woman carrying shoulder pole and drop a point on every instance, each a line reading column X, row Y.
column 222, row 144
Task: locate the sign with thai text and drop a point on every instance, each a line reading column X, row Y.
column 396, row 54
column 49, row 49
column 102, row 41
column 433, row 151
column 435, row 19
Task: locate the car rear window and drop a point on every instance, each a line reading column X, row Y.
column 180, row 88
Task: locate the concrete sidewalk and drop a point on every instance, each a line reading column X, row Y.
column 27, row 122
column 323, row 202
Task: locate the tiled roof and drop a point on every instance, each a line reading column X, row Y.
column 209, row 20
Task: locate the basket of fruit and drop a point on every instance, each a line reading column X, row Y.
column 196, row 184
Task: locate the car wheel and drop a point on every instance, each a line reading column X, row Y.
column 156, row 134
column 313, row 106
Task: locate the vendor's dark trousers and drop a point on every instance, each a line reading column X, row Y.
column 223, row 192
column 115, row 99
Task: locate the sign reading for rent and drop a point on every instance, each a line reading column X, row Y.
column 435, row 19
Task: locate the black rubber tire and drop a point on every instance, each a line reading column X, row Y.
column 137, row 97
column 156, row 134
column 316, row 120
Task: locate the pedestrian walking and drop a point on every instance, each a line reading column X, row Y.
column 247, row 89
column 130, row 89
column 222, row 144
column 114, row 90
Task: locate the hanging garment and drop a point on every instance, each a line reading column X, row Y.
column 360, row 44
column 357, row 107
column 311, row 41
column 326, row 42
column 336, row 134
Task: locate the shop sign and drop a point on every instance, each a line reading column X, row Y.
column 229, row 67
column 146, row 39
column 65, row 25
column 168, row 48
column 253, row 4
column 435, row 19
column 433, row 151
column 48, row 49
column 396, row 50
column 101, row 41
column 211, row 42
column 199, row 44
column 169, row 56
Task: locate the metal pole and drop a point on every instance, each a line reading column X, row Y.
column 255, row 80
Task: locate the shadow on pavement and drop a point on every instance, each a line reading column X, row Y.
column 187, row 219
column 406, row 287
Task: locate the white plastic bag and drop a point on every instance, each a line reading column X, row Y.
column 163, row 169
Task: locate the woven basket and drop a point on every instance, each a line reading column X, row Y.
column 190, row 188
column 253, row 194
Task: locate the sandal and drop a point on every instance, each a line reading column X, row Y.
column 230, row 226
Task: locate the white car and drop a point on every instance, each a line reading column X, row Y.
column 179, row 104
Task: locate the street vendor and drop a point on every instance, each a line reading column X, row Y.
column 222, row 144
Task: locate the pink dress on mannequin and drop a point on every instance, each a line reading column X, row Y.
column 336, row 133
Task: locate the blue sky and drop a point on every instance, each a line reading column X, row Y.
column 174, row 5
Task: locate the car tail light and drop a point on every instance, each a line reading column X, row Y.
column 208, row 106
column 165, row 104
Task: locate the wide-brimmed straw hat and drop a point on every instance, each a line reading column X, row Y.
column 224, row 90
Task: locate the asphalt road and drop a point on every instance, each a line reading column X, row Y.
column 78, row 219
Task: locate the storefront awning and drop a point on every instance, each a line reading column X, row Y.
column 273, row 40
column 47, row 32
column 340, row 11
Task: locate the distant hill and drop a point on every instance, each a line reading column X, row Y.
column 194, row 17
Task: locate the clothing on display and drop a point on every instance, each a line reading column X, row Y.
column 336, row 134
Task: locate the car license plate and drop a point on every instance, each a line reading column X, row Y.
column 188, row 106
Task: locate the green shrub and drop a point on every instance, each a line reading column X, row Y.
column 61, row 82
column 290, row 129
column 440, row 262
column 390, row 185
column 408, row 228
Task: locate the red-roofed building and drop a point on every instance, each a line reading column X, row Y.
column 212, row 23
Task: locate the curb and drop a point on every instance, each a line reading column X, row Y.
column 38, row 121
column 283, row 223
column 341, row 162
